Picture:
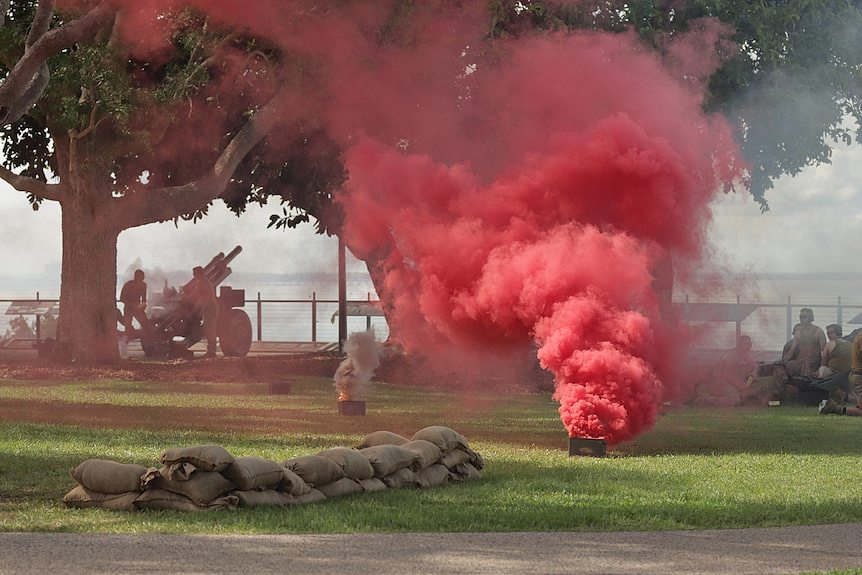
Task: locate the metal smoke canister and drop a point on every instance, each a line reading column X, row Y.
column 587, row 447
column 347, row 407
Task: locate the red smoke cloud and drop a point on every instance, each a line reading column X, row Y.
column 583, row 163
column 512, row 192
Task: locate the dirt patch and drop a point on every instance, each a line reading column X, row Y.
column 218, row 370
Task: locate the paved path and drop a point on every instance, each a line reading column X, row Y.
column 757, row 551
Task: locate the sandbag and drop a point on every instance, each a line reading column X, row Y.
column 105, row 476
column 372, row 485
column 162, row 499
column 344, row 486
column 201, row 486
column 381, row 438
column 433, row 476
column 476, row 459
column 464, row 472
column 404, row 477
column 252, row 472
column 387, row 459
column 265, row 498
column 178, row 471
column 312, row 496
column 443, row 437
column 205, row 457
column 351, row 462
column 315, row 469
column 426, row 453
column 82, row 498
column 293, row 483
column 455, row 457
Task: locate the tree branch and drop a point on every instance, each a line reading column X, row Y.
column 41, row 21
column 150, row 206
column 4, row 8
column 33, row 186
column 25, row 83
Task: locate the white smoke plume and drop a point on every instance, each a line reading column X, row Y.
column 353, row 376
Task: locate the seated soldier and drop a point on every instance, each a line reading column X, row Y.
column 736, row 371
column 836, row 354
column 802, row 354
column 828, row 406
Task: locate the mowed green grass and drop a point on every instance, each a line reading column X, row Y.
column 698, row 469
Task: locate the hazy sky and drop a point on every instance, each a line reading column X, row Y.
column 811, row 227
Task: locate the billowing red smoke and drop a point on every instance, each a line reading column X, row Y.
column 510, row 192
column 602, row 166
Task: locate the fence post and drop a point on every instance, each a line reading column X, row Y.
column 839, row 313
column 259, row 318
column 38, row 322
column 739, row 323
column 368, row 317
column 789, row 320
column 314, row 317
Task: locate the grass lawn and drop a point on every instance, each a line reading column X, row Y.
column 698, row 469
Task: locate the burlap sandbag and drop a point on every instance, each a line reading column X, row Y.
column 426, row 453
column 178, row 471
column 372, row 485
column 381, row 438
column 443, row 437
column 387, row 459
column 455, row 457
column 463, row 455
column 404, row 477
column 105, row 476
column 344, row 486
column 265, row 498
column 312, row 496
column 205, row 457
column 82, row 498
column 433, row 476
column 251, row 472
column 351, row 462
column 162, row 499
column 476, row 459
column 201, row 486
column 315, row 469
column 464, row 472
column 293, row 483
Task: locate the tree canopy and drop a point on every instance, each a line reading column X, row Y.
column 790, row 73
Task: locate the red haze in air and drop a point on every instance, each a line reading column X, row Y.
column 516, row 192
column 601, row 165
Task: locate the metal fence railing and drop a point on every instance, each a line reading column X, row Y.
column 315, row 320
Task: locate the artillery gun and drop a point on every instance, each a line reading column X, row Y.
column 175, row 327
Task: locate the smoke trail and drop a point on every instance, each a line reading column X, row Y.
column 508, row 193
column 353, row 376
column 608, row 167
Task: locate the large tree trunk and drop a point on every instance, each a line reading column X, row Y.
column 87, row 328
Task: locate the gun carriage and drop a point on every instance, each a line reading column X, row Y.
column 175, row 326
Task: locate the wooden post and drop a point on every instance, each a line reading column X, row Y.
column 789, row 320
column 259, row 318
column 314, row 317
column 342, row 295
column 38, row 322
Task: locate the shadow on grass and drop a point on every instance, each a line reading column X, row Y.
column 703, row 431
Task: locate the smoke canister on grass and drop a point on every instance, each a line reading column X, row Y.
column 587, row 447
column 348, row 407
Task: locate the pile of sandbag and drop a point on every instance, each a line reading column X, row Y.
column 207, row 477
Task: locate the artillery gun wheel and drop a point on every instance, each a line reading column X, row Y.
column 234, row 333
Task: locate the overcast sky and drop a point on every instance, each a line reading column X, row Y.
column 814, row 220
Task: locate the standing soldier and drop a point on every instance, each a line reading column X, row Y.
column 134, row 299
column 201, row 294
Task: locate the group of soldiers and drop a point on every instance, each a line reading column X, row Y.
column 811, row 360
column 199, row 295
